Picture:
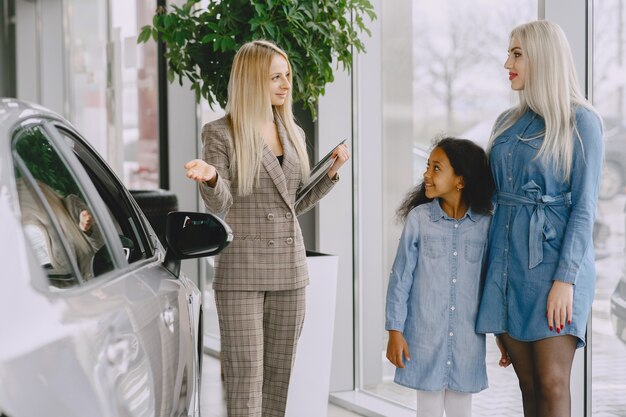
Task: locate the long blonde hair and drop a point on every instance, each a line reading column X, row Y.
column 550, row 90
column 249, row 107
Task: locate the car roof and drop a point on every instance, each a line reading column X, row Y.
column 13, row 111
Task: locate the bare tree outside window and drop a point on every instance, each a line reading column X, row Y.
column 459, row 51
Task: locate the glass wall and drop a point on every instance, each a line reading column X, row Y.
column 138, row 88
column 112, row 83
column 86, row 51
column 608, row 347
column 452, row 83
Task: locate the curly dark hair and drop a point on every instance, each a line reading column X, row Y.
column 469, row 161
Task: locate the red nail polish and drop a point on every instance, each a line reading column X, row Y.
column 558, row 330
column 550, row 328
column 562, row 327
column 569, row 322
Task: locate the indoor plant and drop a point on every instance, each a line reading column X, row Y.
column 201, row 42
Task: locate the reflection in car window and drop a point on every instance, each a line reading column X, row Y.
column 131, row 229
column 57, row 220
column 44, row 238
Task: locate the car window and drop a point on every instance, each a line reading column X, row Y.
column 57, row 219
column 129, row 224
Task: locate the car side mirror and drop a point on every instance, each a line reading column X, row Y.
column 194, row 235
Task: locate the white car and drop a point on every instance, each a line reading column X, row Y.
column 95, row 317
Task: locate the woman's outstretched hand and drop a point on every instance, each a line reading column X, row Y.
column 199, row 170
column 396, row 348
column 341, row 155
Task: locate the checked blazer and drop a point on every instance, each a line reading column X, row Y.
column 267, row 252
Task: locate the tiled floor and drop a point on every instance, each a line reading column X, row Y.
column 212, row 401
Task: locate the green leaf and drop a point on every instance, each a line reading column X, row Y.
column 255, row 23
column 228, row 43
column 188, row 6
column 167, row 19
column 180, row 39
column 208, row 38
column 271, row 29
column 261, row 9
column 213, row 26
column 202, row 41
column 144, row 35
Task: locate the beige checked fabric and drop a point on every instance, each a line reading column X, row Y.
column 267, row 252
column 259, row 331
column 260, row 277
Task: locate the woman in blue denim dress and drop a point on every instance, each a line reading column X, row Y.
column 546, row 156
column 434, row 288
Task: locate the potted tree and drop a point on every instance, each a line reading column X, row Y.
column 201, row 42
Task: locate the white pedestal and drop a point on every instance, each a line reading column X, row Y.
column 310, row 378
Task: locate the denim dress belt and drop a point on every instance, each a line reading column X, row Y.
column 538, row 227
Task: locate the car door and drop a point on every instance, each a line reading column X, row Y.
column 126, row 349
column 171, row 312
column 73, row 372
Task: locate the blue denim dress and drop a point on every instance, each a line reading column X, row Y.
column 433, row 296
column 541, row 230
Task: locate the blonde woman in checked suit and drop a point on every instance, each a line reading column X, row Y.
column 254, row 161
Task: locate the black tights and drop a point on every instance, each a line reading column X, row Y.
column 543, row 369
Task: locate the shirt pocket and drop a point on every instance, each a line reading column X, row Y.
column 502, row 139
column 534, row 143
column 473, row 250
column 434, row 246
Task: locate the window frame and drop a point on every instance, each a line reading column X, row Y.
column 113, row 246
column 100, row 172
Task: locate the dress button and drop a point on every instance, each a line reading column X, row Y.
column 270, row 243
column 289, row 241
column 507, row 226
column 270, row 216
column 454, row 253
column 448, row 363
column 452, row 308
column 456, row 225
column 288, row 215
column 510, row 178
column 451, row 334
column 454, row 280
